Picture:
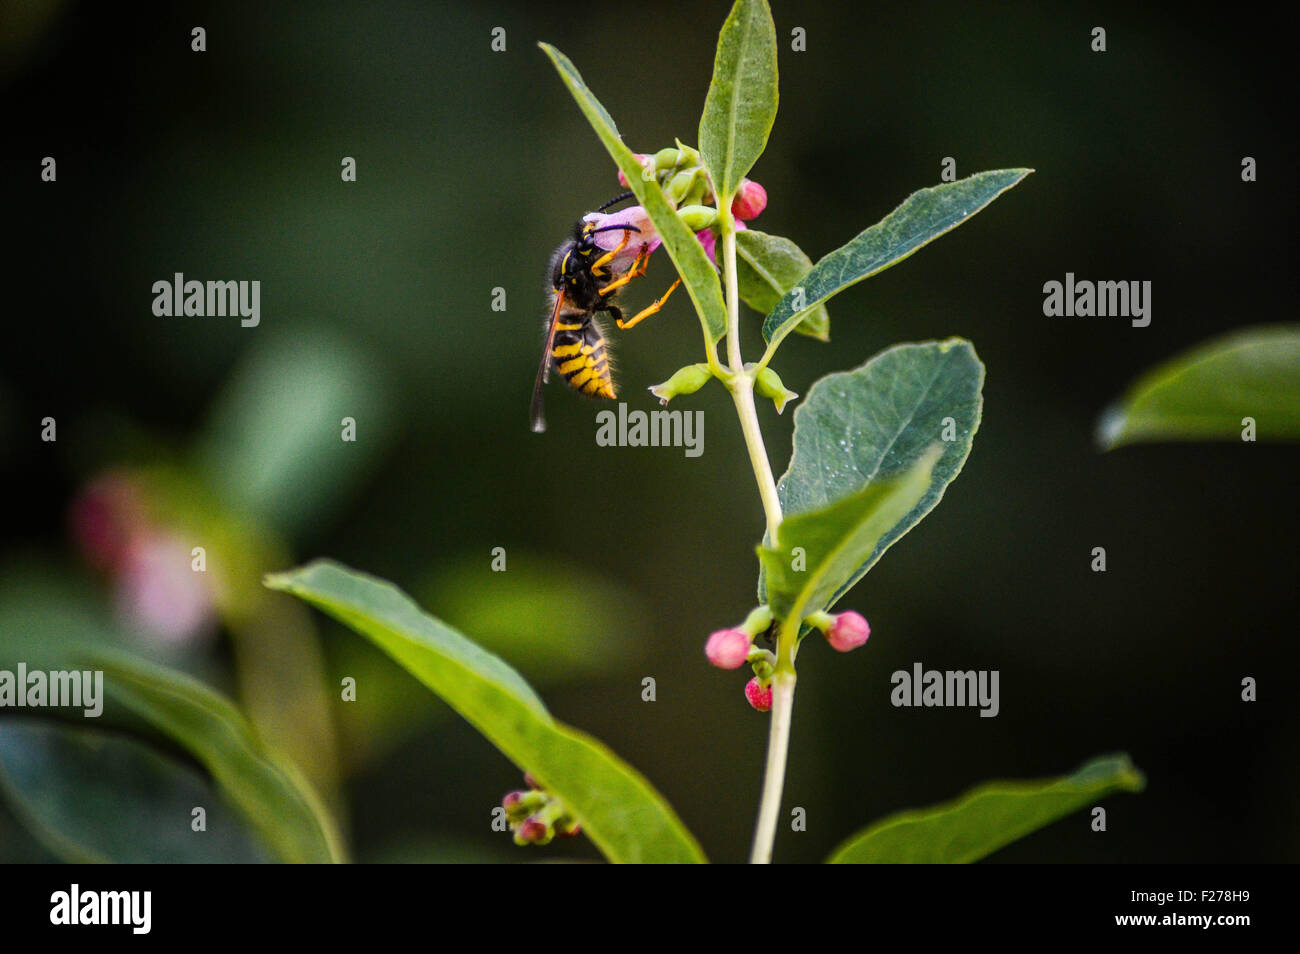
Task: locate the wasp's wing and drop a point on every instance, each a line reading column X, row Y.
column 544, row 369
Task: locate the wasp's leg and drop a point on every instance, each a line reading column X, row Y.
column 614, row 311
column 613, row 252
column 650, row 309
column 637, row 270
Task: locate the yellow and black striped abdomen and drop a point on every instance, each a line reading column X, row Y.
column 581, row 356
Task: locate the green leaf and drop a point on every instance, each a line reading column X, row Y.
column 618, row 809
column 688, row 256
column 768, row 266
column 875, row 423
column 94, row 796
column 1205, row 393
column 741, row 105
column 922, row 218
column 837, row 541
column 986, row 818
column 277, row 802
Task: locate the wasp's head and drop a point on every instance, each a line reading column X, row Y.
column 564, row 265
column 584, row 236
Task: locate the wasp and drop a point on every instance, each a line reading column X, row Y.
column 583, row 282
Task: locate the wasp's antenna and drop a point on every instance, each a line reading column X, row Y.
column 614, row 201
column 611, row 228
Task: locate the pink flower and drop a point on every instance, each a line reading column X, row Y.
column 750, row 200
column 728, row 648
column 759, row 695
column 636, row 217
column 848, row 631
column 709, row 240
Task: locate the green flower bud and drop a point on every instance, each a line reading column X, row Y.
column 698, row 217
column 680, row 185
column 687, row 380
column 667, row 159
column 567, row 827
column 698, row 193
column 758, row 620
column 689, row 156
column 519, row 805
column 763, row 662
column 768, row 384
column 821, row 620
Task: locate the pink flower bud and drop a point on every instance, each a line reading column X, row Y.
column 848, row 631
column 107, row 516
column 728, row 648
column 512, row 799
column 535, row 832
column 647, row 162
column 750, row 200
column 158, row 591
column 759, row 695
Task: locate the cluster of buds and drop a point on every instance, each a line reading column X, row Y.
column 688, row 380
column 685, row 184
column 732, row 648
column 536, row 816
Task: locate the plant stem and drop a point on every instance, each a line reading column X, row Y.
column 742, row 393
column 742, row 387
column 778, row 745
column 733, row 292
column 783, row 681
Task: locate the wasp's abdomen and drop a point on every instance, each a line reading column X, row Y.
column 581, row 356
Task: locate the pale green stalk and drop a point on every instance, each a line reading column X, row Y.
column 741, row 385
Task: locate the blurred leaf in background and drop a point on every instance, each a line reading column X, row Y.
column 1246, row 382
column 92, row 795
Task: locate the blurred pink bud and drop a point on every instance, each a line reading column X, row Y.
column 759, row 695
column 849, row 631
column 750, row 200
column 709, row 240
column 512, row 799
column 159, row 591
column 106, row 517
column 647, row 162
column 728, row 648
column 635, row 216
column 534, row 831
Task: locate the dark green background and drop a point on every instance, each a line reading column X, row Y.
column 472, row 166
